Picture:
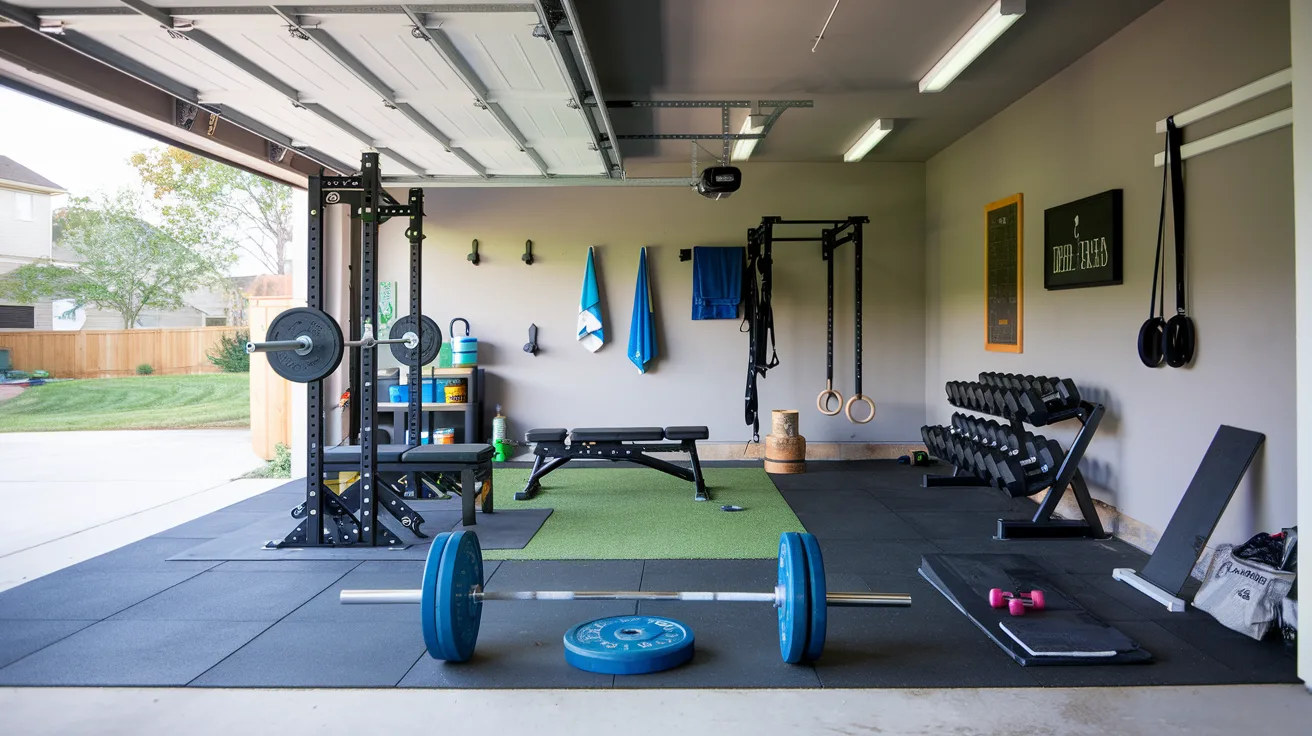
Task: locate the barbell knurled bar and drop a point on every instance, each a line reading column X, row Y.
column 837, row 600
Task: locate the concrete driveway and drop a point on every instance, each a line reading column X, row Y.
column 70, row 496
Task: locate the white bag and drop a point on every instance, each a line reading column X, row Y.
column 1241, row 594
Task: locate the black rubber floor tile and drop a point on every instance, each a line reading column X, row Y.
column 1085, row 592
column 232, row 596
column 948, row 499
column 20, row 638
column 132, row 653
column 147, row 555
column 874, row 558
column 338, row 567
column 953, row 525
column 268, row 503
column 736, row 645
column 320, row 654
column 213, row 525
column 825, row 501
column 710, row 575
column 1175, row 662
column 1102, row 585
column 520, row 645
column 872, row 526
column 930, row 644
column 1253, row 661
column 84, row 595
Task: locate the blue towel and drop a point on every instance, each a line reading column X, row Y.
column 717, row 282
column 589, row 323
column 642, row 328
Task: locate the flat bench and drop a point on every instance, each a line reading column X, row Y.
column 618, row 444
column 404, row 469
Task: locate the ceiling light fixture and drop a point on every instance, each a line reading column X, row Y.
column 996, row 20
column 867, row 141
column 743, row 147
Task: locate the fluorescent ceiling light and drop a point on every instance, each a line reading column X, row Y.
column 868, row 139
column 986, row 30
column 743, row 147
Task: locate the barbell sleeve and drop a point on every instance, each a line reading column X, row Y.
column 300, row 344
column 838, row 600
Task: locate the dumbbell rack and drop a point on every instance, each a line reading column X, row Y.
column 1042, row 525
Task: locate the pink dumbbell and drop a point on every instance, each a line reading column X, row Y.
column 1016, row 604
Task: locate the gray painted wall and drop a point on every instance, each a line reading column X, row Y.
column 700, row 375
column 1090, row 129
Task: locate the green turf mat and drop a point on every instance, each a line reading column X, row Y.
column 641, row 514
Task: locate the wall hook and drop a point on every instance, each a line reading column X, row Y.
column 532, row 346
column 473, row 254
column 528, row 252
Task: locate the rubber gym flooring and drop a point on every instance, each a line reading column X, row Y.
column 131, row 617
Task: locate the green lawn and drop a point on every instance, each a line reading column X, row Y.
column 142, row 402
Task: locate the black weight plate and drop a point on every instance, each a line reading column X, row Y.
column 430, row 340
column 326, row 341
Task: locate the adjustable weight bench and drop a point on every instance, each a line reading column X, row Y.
column 403, row 469
column 617, row 444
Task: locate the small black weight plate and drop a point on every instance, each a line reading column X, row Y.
column 430, row 340
column 628, row 645
column 326, row 348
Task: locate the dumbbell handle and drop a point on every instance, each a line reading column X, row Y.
column 832, row 599
column 302, row 344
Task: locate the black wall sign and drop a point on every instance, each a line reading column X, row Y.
column 1082, row 242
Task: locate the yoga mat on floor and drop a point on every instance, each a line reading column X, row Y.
column 965, row 580
column 636, row 513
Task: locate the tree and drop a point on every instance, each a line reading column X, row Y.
column 124, row 263
column 249, row 212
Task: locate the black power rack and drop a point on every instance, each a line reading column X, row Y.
column 325, row 519
column 1008, row 457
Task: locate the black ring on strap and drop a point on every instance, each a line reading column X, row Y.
column 1178, row 340
column 1150, row 341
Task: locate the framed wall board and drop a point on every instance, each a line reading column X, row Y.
column 1004, row 272
column 1082, row 242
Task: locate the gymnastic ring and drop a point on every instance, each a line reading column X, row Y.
column 848, row 409
column 822, row 401
column 1178, row 340
column 1150, row 342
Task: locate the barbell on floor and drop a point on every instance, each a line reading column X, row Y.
column 304, row 344
column 451, row 599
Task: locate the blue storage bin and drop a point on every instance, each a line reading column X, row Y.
column 429, row 394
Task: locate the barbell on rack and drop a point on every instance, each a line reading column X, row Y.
column 451, row 597
column 305, row 344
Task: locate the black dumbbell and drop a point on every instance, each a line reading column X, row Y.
column 1025, row 477
column 1052, row 406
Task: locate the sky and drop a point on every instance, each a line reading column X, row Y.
column 81, row 154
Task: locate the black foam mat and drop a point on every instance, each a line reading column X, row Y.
column 511, row 529
column 965, row 580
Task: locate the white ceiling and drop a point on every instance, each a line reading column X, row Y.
column 308, row 93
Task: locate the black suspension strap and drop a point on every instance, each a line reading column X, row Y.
column 1178, row 339
column 858, row 396
column 822, row 402
column 751, row 302
column 1150, row 334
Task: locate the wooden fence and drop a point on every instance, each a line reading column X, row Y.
column 271, row 394
column 110, row 353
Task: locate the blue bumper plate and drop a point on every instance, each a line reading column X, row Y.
column 628, row 645
column 816, row 590
column 458, row 613
column 428, row 594
column 792, row 609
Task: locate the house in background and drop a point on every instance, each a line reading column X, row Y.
column 26, row 235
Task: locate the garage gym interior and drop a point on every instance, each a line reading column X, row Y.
column 861, row 344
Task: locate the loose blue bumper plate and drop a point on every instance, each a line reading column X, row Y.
column 628, row 645
column 793, row 617
column 428, row 594
column 457, row 611
column 816, row 590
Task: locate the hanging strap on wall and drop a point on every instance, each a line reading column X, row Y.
column 829, row 395
column 1150, row 334
column 1178, row 338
